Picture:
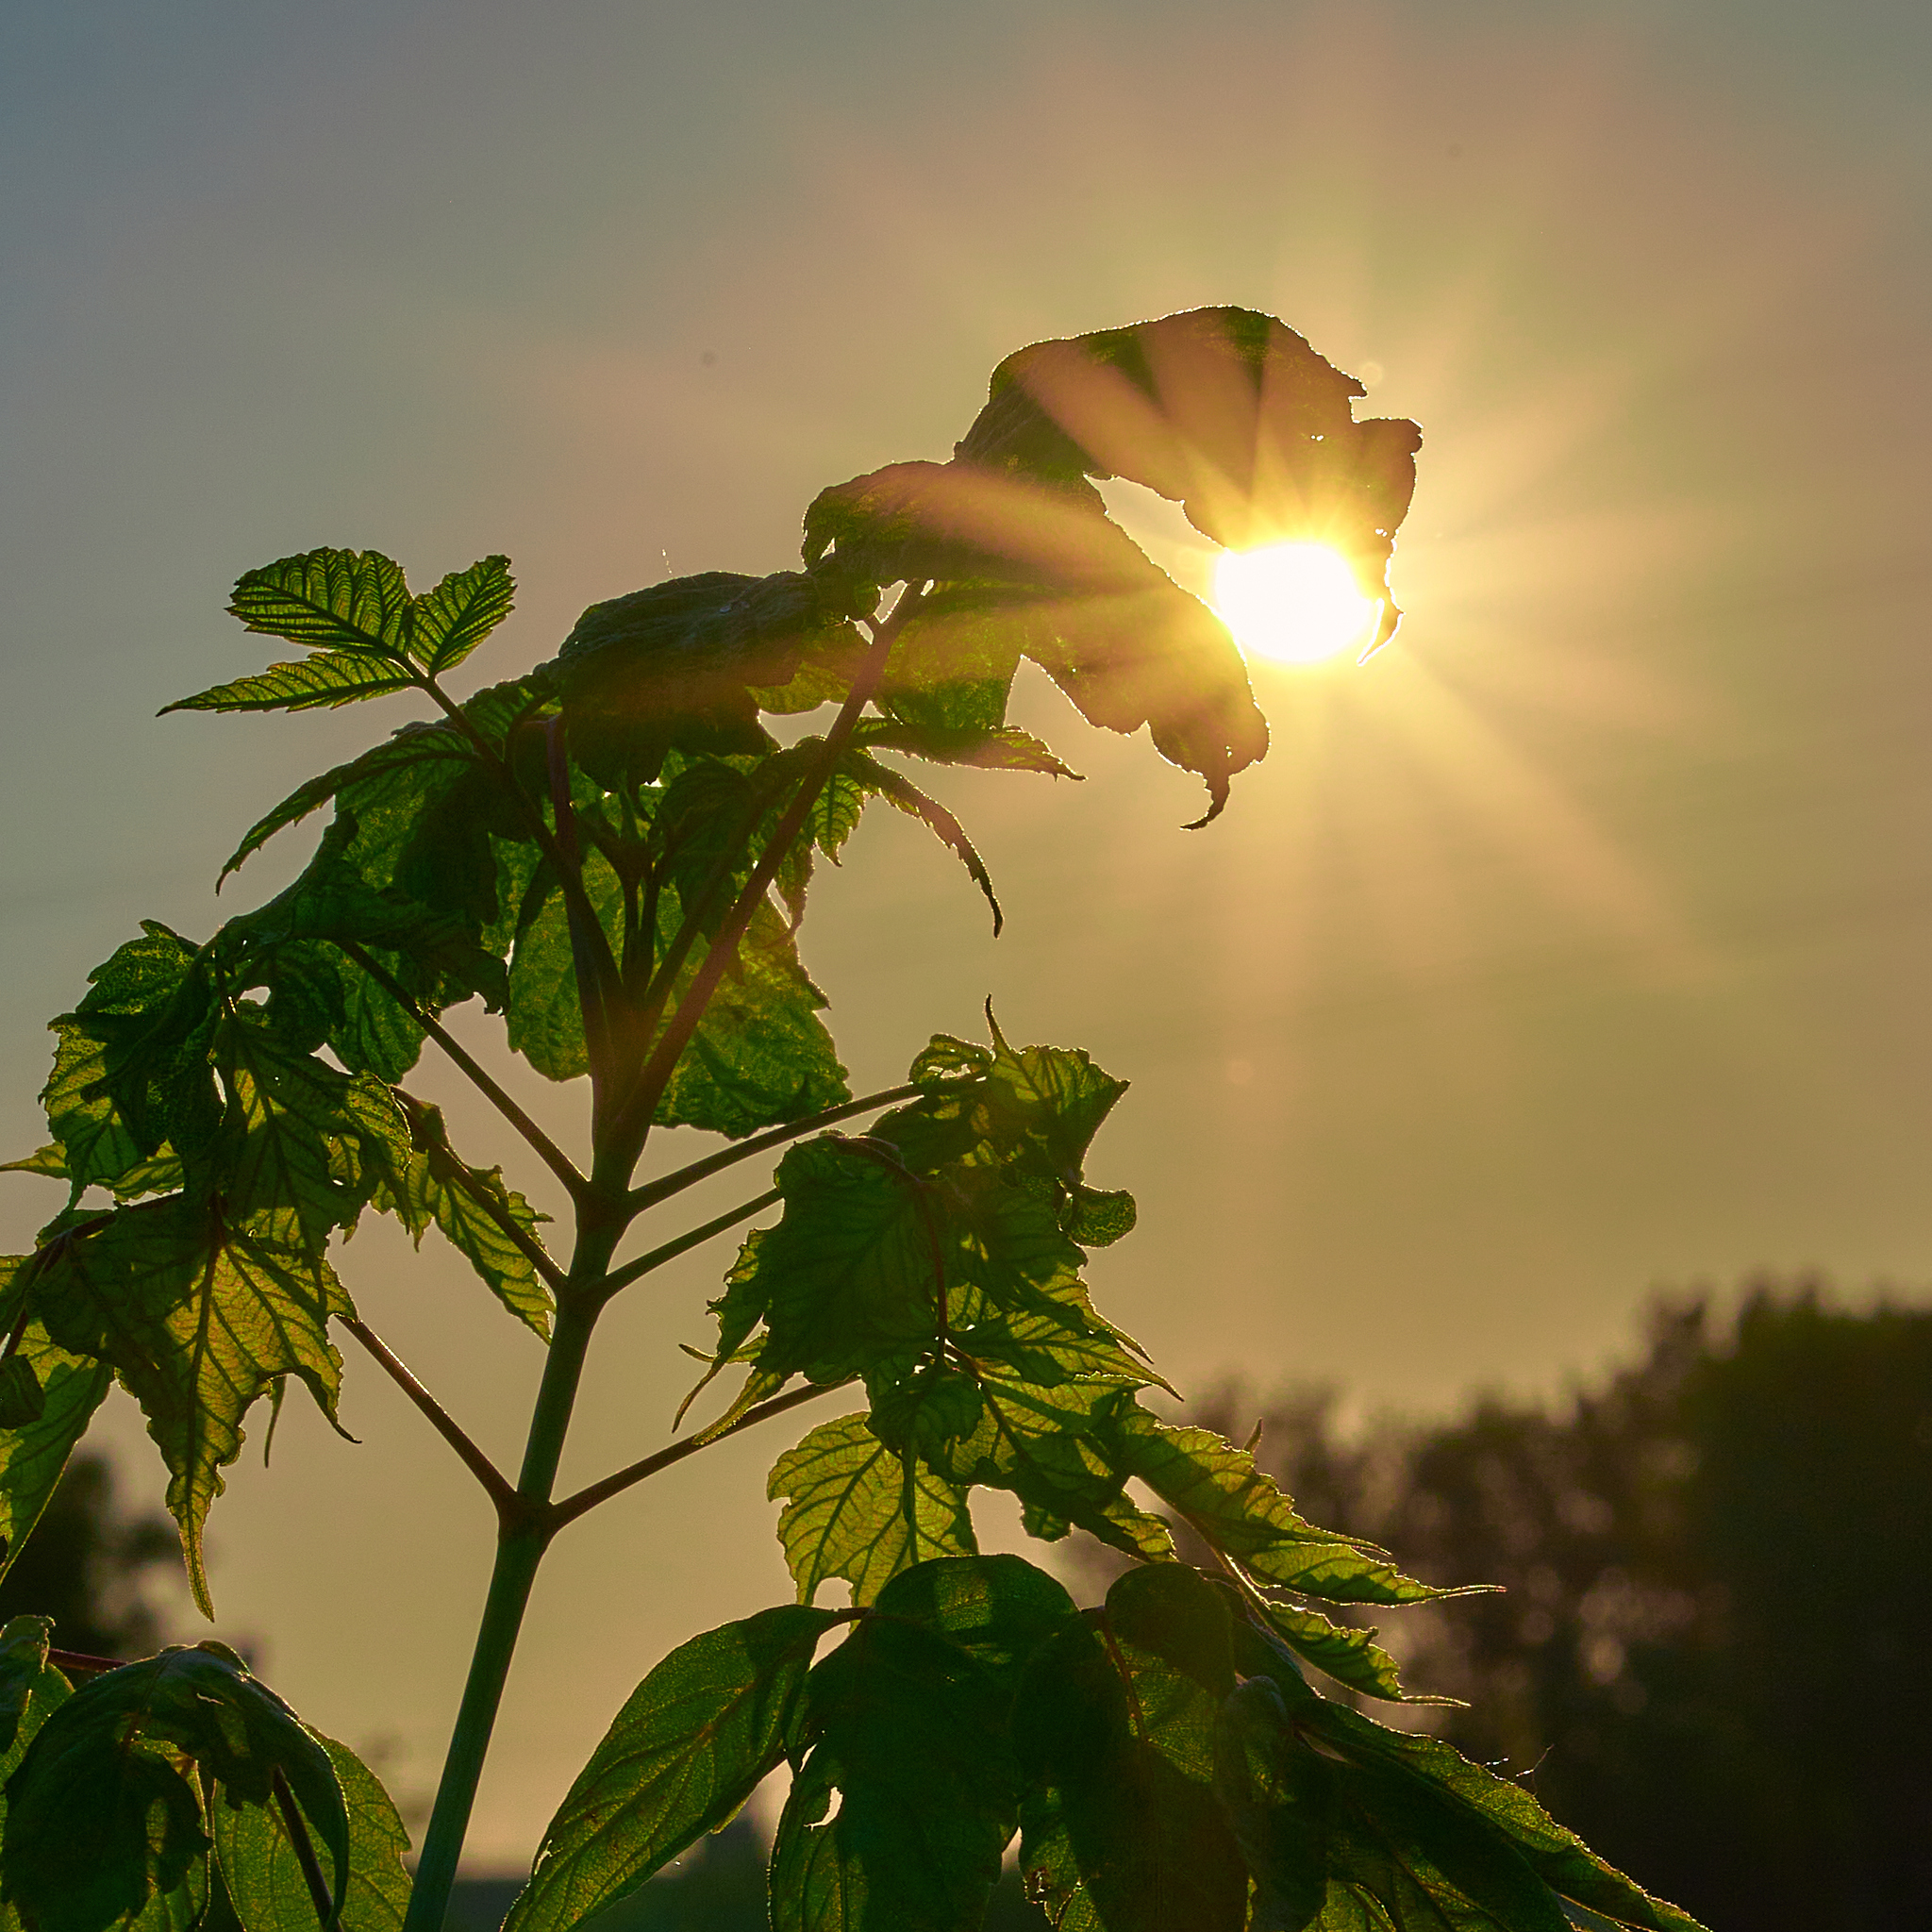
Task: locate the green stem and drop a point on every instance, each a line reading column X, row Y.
column 525, row 1536
column 647, row 1264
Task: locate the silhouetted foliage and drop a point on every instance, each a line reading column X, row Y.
column 1711, row 1659
column 85, row 1564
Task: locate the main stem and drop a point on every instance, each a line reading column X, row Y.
column 523, row 1538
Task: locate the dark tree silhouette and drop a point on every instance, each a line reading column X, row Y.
column 86, row 1566
column 1711, row 1659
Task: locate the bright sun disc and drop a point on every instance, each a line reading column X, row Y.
column 1295, row 603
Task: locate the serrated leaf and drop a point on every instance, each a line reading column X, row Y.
column 1348, row 1654
column 900, row 791
column 909, row 1730
column 50, row 1160
column 1222, row 1493
column 853, row 1510
column 329, row 679
column 328, row 600
column 263, row 1874
column 432, row 1187
column 690, row 1746
column 33, row 1455
column 448, row 623
column 99, row 1814
column 846, row 1275
column 198, row 1320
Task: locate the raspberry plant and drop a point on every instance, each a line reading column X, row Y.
column 613, row 853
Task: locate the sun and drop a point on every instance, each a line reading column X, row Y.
column 1293, row 603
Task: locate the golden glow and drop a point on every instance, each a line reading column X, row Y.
column 1294, row 603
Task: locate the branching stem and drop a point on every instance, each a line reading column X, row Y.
column 647, row 1264
column 615, row 1484
column 496, row 1486
column 552, row 1156
column 652, row 1192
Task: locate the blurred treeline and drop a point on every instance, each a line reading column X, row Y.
column 1714, row 1656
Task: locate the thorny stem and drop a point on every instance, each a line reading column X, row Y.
column 496, row 1486
column 552, row 1156
column 647, row 1264
column 573, row 1507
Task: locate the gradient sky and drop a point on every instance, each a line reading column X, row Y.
column 1575, row 946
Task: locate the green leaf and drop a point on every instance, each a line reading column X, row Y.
column 433, row 1186
column 33, row 1454
column 328, row 600
column 1114, row 1726
column 22, row 1401
column 847, row 1274
column 853, row 1510
column 910, row 1731
column 901, row 791
column 448, row 623
column 329, row 679
column 198, row 1320
column 1348, row 1654
column 30, row 1686
column 1329, row 1836
column 1410, row 1776
column 1221, row 1493
column 99, row 1814
column 263, row 1873
column 999, row 1610
column 691, row 1744
column 50, row 1160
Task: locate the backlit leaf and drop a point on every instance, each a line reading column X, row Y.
column 33, row 1455
column 198, row 1320
column 691, row 1744
column 448, row 623
column 99, row 1813
column 328, row 679
column 329, row 600
column 853, row 1510
column 263, row 1873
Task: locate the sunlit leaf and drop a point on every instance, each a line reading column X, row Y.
column 448, row 623
column 853, row 1510
column 198, row 1320
column 329, row 600
column 690, row 1746
column 328, row 679
column 263, row 1871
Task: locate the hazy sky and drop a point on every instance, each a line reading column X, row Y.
column 1576, row 945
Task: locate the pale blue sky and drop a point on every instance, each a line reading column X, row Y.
column 1578, row 945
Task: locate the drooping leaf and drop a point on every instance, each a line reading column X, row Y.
column 1345, row 1651
column 328, row 600
column 690, row 1746
column 198, row 1319
column 1114, row 1726
column 433, row 1186
column 909, row 1731
column 448, row 623
column 1223, row 410
column 900, row 790
column 262, row 1871
column 100, row 1816
column 329, row 679
column 853, row 1510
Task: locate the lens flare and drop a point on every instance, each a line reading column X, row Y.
column 1293, row 603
